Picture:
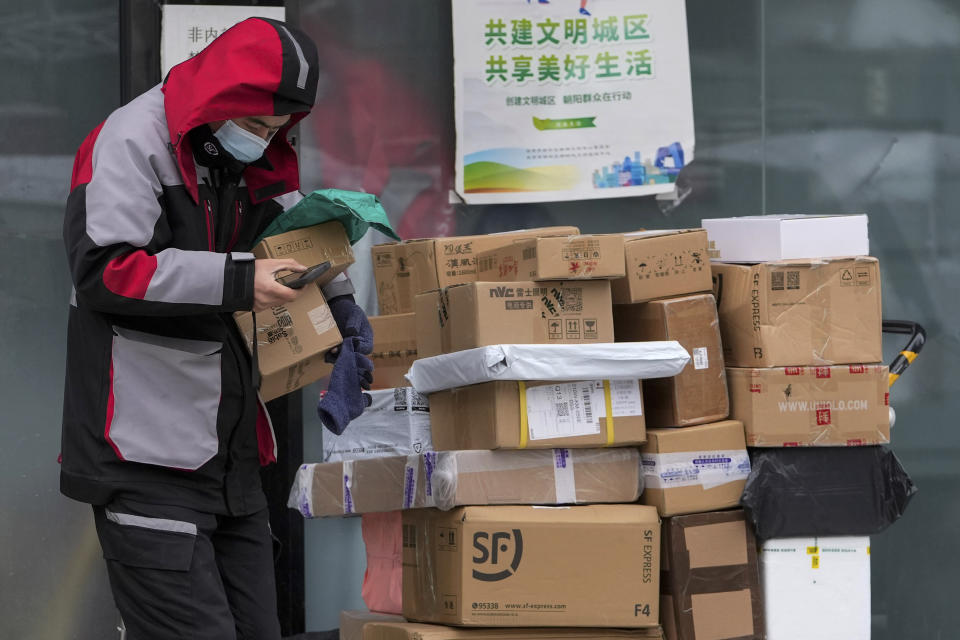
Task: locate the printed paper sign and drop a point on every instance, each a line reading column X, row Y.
column 558, row 102
column 187, row 28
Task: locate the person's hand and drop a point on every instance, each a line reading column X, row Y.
column 267, row 292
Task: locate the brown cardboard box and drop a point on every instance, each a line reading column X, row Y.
column 700, row 468
column 710, row 578
column 812, row 406
column 292, row 340
column 455, row 478
column 403, row 270
column 479, row 314
column 595, row 565
column 394, row 349
column 310, row 246
column 352, row 623
column 558, row 258
column 416, row 631
column 660, row 264
column 800, row 312
column 698, row 394
column 536, row 415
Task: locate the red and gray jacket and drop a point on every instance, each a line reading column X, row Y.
column 159, row 403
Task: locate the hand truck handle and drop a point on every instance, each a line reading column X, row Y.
column 909, row 353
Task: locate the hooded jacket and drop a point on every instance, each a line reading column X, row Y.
column 158, row 399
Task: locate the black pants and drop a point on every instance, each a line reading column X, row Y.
column 179, row 573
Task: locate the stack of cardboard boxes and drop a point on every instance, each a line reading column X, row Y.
column 695, row 460
column 460, row 490
column 800, row 315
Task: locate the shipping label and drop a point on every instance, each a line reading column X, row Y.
column 322, row 319
column 576, row 408
column 708, row 469
column 700, row 358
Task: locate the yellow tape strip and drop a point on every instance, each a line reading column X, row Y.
column 524, row 425
column 893, row 378
column 909, row 355
column 608, row 400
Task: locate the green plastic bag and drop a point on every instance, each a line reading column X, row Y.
column 356, row 211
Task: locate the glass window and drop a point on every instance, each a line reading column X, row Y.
column 58, row 66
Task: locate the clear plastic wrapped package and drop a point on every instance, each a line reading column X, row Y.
column 456, row 478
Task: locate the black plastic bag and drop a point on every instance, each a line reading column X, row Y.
column 825, row 491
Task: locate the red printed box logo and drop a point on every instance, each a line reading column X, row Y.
column 886, row 399
column 793, row 371
column 756, row 387
column 855, row 443
column 823, row 417
column 791, row 444
column 858, row 368
column 823, row 372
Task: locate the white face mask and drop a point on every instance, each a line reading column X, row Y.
column 240, row 143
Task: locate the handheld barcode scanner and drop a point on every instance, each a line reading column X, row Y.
column 918, row 337
column 300, row 280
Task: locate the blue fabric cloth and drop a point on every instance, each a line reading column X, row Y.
column 344, row 399
column 352, row 322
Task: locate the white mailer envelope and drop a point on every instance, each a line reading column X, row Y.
column 560, row 362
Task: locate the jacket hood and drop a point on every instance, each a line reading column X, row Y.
column 257, row 67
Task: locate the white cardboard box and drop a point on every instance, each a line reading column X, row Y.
column 787, row 237
column 816, row 588
column 397, row 423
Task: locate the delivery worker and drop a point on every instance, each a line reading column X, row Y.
column 163, row 429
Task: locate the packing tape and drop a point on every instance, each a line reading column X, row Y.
column 411, row 470
column 347, row 486
column 563, row 478
column 429, row 466
column 608, row 402
column 524, row 426
column 909, row 355
column 707, row 469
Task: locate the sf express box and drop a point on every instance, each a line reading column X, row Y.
column 516, row 566
column 698, row 394
column 404, row 269
column 558, row 258
column 663, row 263
column 800, row 313
column 327, row 242
column 416, row 631
column 700, row 468
column 291, row 342
column 394, row 349
column 710, row 578
column 787, row 237
column 812, row 406
column 479, row 314
column 538, row 415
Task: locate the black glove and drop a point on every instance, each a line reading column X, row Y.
column 344, row 399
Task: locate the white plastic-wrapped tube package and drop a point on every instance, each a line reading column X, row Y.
column 560, row 362
column 457, row 478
